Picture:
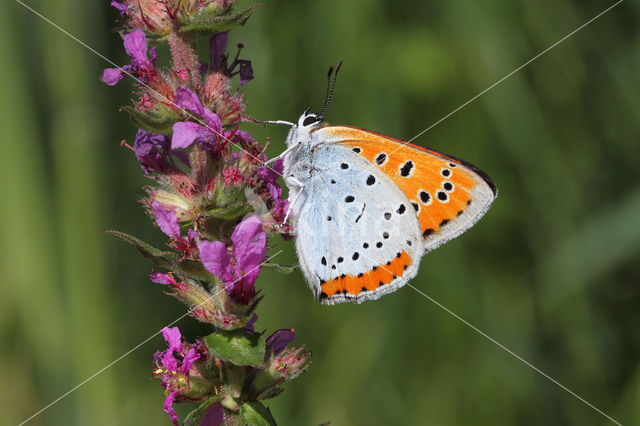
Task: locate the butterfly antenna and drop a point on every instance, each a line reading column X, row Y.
column 330, row 86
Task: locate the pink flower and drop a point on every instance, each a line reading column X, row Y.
column 135, row 43
column 217, row 48
column 154, row 154
column 279, row 340
column 186, row 133
column 162, row 278
column 174, row 366
column 167, row 221
column 240, row 272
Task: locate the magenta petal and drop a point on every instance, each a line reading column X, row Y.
column 249, row 247
column 190, row 357
column 166, row 220
column 169, row 361
column 275, row 191
column 135, row 43
column 168, row 407
column 279, row 340
column 160, row 278
column 213, row 122
column 242, row 137
column 273, row 172
column 215, row 258
column 214, row 417
column 186, row 133
column 173, row 337
column 111, row 76
column 122, row 8
column 187, row 99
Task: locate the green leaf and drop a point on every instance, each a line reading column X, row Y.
column 195, row 269
column 208, row 24
column 159, row 257
column 238, row 347
column 157, row 120
column 166, row 259
column 255, row 413
column 195, row 417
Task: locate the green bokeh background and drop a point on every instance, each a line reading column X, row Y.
column 552, row 271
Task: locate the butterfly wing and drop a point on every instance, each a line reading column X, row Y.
column 448, row 194
column 356, row 235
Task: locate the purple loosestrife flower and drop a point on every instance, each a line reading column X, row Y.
column 175, row 367
column 154, row 152
column 217, row 48
column 167, row 221
column 279, row 340
column 246, row 71
column 273, row 197
column 135, row 43
column 272, row 173
column 162, row 278
column 189, row 112
column 186, row 133
column 240, row 272
column 280, row 206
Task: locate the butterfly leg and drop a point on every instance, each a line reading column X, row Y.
column 300, row 188
column 282, row 155
column 286, row 123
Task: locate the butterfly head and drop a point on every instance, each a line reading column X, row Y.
column 301, row 132
column 309, row 120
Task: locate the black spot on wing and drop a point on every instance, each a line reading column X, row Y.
column 407, row 167
column 428, row 232
column 381, row 159
column 485, row 177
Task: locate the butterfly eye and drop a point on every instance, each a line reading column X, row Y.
column 310, row 120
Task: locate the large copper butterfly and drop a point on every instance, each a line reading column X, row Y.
column 365, row 207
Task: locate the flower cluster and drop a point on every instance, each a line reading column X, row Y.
column 196, row 373
column 176, row 367
column 213, row 198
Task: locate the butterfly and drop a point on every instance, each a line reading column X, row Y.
column 366, row 207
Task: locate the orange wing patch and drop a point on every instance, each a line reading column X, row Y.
column 369, row 281
column 439, row 187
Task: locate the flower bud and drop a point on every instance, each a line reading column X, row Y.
column 285, row 366
column 184, row 208
column 149, row 15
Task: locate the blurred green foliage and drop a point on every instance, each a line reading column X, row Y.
column 552, row 271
